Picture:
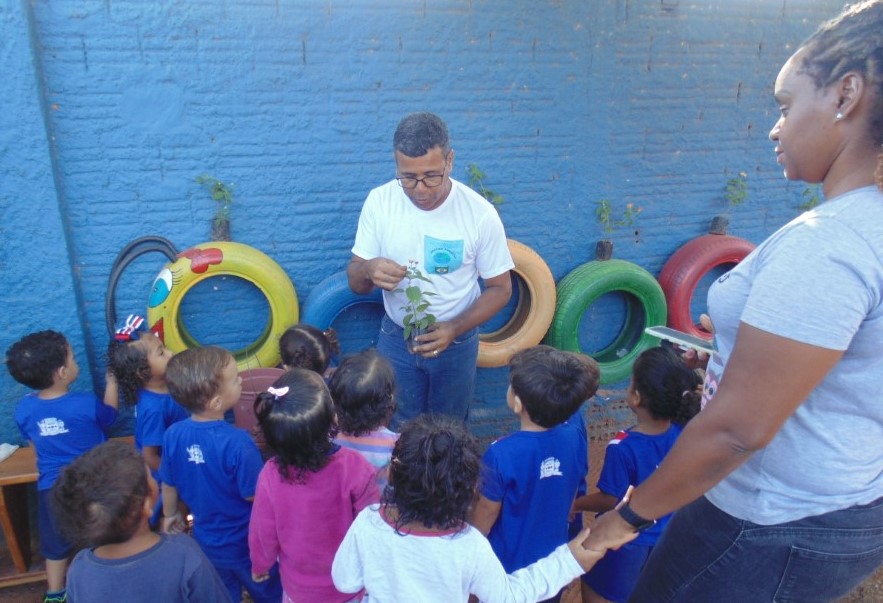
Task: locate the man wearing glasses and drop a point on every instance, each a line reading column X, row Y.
column 456, row 237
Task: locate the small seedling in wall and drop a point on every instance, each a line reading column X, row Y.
column 222, row 194
column 476, row 181
column 811, row 197
column 737, row 189
column 603, row 213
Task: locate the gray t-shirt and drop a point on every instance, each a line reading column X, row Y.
column 818, row 280
column 174, row 570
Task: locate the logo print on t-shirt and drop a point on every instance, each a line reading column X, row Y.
column 195, row 453
column 440, row 256
column 51, row 426
column 550, row 468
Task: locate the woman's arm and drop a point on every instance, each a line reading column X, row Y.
column 766, row 379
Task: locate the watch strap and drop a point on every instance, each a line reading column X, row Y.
column 633, row 519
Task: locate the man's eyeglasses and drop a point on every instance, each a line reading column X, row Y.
column 408, row 182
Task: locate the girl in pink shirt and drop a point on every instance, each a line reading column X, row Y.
column 308, row 493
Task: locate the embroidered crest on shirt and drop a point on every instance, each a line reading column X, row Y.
column 195, row 454
column 550, row 468
column 51, row 426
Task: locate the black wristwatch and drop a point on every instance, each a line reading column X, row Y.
column 633, row 519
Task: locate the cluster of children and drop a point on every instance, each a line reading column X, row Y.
column 344, row 509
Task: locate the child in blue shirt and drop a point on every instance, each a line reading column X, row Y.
column 138, row 358
column 664, row 394
column 213, row 466
column 62, row 425
column 530, row 477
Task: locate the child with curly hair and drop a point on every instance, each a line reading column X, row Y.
column 308, row 493
column 664, row 394
column 417, row 546
column 363, row 390
column 61, row 425
column 103, row 501
column 305, row 346
column 137, row 359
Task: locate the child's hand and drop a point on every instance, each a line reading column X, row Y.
column 174, row 524
column 260, row 577
column 586, row 557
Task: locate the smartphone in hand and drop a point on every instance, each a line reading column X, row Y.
column 682, row 339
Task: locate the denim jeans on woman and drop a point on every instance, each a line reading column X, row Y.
column 442, row 385
column 707, row 555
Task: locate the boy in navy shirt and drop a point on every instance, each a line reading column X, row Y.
column 530, row 477
column 213, row 466
column 62, row 425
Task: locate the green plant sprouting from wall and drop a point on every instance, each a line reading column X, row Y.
column 222, row 193
column 737, row 189
column 605, row 215
column 476, row 181
column 811, row 197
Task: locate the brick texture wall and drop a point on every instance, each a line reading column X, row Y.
column 112, row 108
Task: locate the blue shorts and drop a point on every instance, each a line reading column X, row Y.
column 616, row 573
column 268, row 591
column 53, row 545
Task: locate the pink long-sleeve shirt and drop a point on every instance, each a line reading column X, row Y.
column 302, row 525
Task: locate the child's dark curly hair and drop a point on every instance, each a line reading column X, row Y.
column 669, row 388
column 363, row 390
column 33, row 359
column 127, row 361
column 99, row 498
column 297, row 420
column 307, row 347
column 433, row 473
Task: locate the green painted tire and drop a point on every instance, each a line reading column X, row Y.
column 645, row 307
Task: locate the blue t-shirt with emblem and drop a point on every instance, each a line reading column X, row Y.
column 214, row 466
column 62, row 429
column 534, row 475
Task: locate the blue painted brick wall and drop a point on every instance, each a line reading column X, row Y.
column 110, row 109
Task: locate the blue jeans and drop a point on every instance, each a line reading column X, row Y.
column 707, row 555
column 269, row 591
column 442, row 385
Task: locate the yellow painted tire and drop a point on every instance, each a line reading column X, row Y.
column 533, row 314
column 222, row 258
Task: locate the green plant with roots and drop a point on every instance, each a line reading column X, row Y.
column 222, row 193
column 737, row 189
column 476, row 182
column 416, row 315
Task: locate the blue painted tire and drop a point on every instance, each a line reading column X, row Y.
column 331, row 297
column 645, row 307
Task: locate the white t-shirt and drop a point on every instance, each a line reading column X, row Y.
column 454, row 244
column 434, row 568
column 818, row 280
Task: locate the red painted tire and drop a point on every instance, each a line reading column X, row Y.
column 683, row 271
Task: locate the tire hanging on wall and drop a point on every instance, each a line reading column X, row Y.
column 218, row 258
column 685, row 269
column 645, row 306
column 331, row 297
column 533, row 313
